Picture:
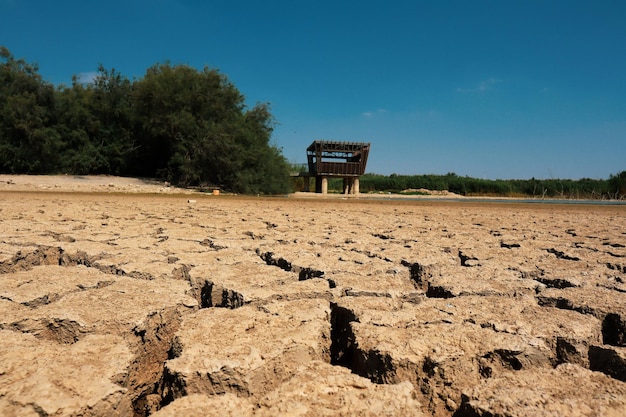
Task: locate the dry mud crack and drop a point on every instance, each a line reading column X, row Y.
column 136, row 304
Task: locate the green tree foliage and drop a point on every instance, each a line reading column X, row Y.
column 194, row 128
column 113, row 135
column 617, row 185
column 95, row 122
column 27, row 136
column 177, row 123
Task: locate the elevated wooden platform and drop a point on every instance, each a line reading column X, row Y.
column 345, row 160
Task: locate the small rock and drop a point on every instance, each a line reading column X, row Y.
column 451, row 405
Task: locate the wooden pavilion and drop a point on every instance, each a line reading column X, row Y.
column 345, row 160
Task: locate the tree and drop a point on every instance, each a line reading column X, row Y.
column 95, row 122
column 177, row 123
column 28, row 140
column 617, row 185
column 76, row 124
column 111, row 106
column 194, row 129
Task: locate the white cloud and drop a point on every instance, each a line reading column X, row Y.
column 87, row 77
column 481, row 87
column 370, row 114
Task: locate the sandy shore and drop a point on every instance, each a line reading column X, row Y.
column 89, row 183
column 113, row 184
column 123, row 296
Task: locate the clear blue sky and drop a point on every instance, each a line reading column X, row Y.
column 490, row 89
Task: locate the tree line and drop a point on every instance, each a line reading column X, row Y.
column 585, row 188
column 613, row 188
column 187, row 126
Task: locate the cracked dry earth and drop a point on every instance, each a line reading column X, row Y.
column 136, row 304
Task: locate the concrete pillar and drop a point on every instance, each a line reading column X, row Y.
column 346, row 185
column 355, row 186
column 324, row 185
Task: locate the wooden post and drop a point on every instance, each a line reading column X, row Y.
column 307, row 183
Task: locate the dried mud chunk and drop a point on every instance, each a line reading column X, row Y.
column 23, row 261
column 114, row 308
column 43, row 285
column 442, row 346
column 64, row 331
column 319, row 389
column 261, row 348
column 421, row 273
column 250, row 283
column 439, row 360
column 56, row 379
column 568, row 390
column 316, row 389
column 570, row 350
column 600, row 303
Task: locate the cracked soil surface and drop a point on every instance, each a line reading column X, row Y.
column 134, row 299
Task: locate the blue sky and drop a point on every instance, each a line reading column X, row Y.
column 489, row 89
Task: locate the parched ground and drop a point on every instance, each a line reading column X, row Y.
column 124, row 297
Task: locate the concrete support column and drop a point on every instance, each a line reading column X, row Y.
column 346, row 186
column 324, row 185
column 355, row 186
